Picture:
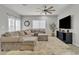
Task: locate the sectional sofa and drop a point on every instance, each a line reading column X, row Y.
column 20, row 40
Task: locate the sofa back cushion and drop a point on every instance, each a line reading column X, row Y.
column 42, row 31
column 14, row 33
column 38, row 30
column 21, row 33
column 28, row 32
column 5, row 34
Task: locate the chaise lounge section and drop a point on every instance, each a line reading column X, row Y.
column 14, row 41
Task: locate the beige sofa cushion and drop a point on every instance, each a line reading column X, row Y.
column 21, row 33
column 10, row 39
column 14, row 33
column 28, row 32
column 5, row 34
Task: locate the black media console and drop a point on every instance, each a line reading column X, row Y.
column 65, row 37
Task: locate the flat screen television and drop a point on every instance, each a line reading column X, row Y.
column 65, row 23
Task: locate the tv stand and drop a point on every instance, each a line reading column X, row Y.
column 65, row 37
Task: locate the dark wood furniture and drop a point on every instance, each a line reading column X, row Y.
column 65, row 37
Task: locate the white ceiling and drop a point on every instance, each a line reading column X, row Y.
column 31, row 9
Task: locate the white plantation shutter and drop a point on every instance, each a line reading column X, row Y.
column 14, row 24
column 42, row 24
column 11, row 22
column 18, row 26
column 39, row 24
column 35, row 24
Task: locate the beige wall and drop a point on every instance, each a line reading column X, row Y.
column 50, row 19
column 4, row 18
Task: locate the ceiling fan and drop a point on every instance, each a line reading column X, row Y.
column 47, row 10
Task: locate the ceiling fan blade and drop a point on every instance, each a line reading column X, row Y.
column 49, row 12
column 50, row 7
column 52, row 10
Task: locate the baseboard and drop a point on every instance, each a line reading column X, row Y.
column 76, row 44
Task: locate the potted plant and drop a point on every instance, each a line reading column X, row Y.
column 53, row 28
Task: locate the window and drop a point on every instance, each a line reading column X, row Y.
column 39, row 24
column 42, row 24
column 18, row 26
column 14, row 23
